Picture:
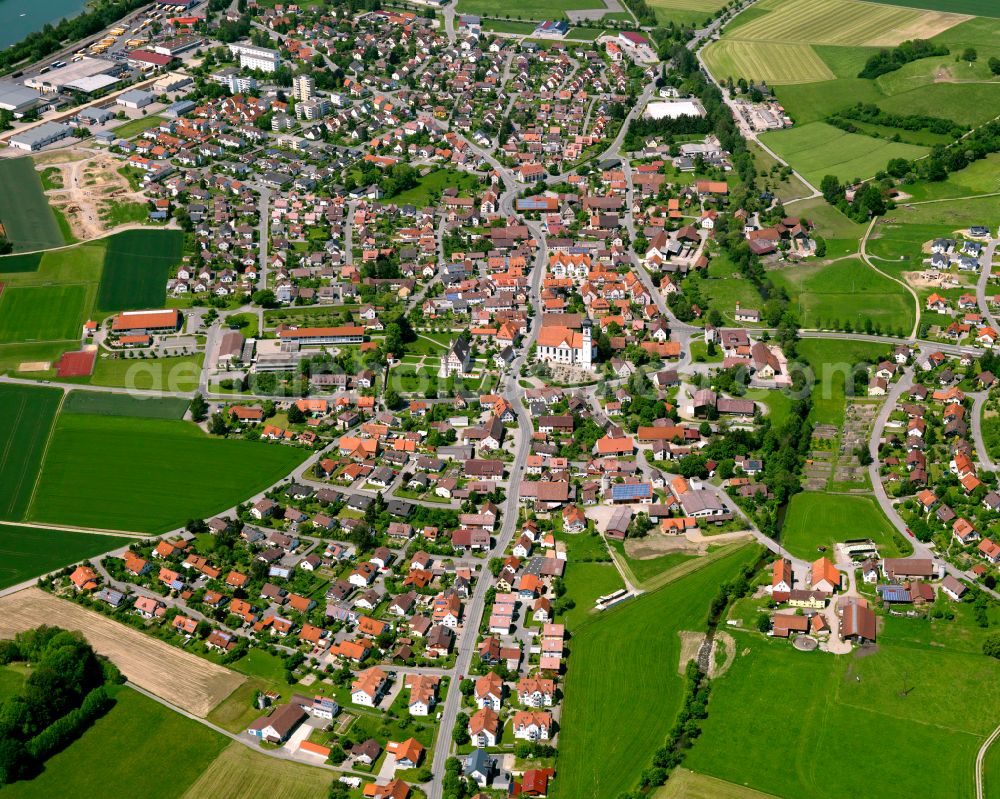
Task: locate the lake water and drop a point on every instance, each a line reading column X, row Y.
column 18, row 18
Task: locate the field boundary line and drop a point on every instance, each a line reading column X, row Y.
column 65, row 528
column 6, row 450
column 45, row 451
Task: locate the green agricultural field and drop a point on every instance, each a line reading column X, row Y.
column 42, row 313
column 903, row 700
column 28, row 552
column 789, row 189
column 180, row 373
column 148, row 475
column 814, row 520
column 27, row 414
column 525, row 9
column 105, row 404
column 770, row 62
column 29, row 262
column 136, row 269
column 818, row 149
column 843, row 236
column 831, row 360
column 979, row 8
column 846, row 291
column 24, row 211
column 241, row 773
column 641, row 702
column 128, row 746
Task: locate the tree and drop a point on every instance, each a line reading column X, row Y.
column 265, row 298
column 295, row 415
column 991, row 646
column 994, row 65
column 199, row 408
column 969, row 54
column 831, row 188
column 460, row 735
column 392, row 399
column 763, row 623
column 217, row 426
column 338, row 790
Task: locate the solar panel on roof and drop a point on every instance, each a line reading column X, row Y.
column 630, row 490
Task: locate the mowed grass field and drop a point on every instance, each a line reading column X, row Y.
column 848, row 290
column 843, row 22
column 42, row 313
column 814, row 520
column 27, row 552
column 904, row 721
column 687, row 784
column 24, row 212
column 148, row 475
column 241, row 773
column 623, row 681
column 136, row 269
column 979, row 8
column 141, row 744
column 180, row 373
column 684, row 12
column 770, row 62
column 818, row 149
column 28, row 414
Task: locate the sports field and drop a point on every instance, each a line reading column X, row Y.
column 148, row 475
column 814, row 520
column 27, row 413
column 624, row 679
column 24, row 211
column 27, row 552
column 846, row 291
column 770, row 62
column 241, row 773
column 136, row 269
column 141, row 744
column 42, row 313
column 104, row 404
column 908, row 719
column 818, row 149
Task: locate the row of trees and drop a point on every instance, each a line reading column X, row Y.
column 63, row 695
column 890, row 60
